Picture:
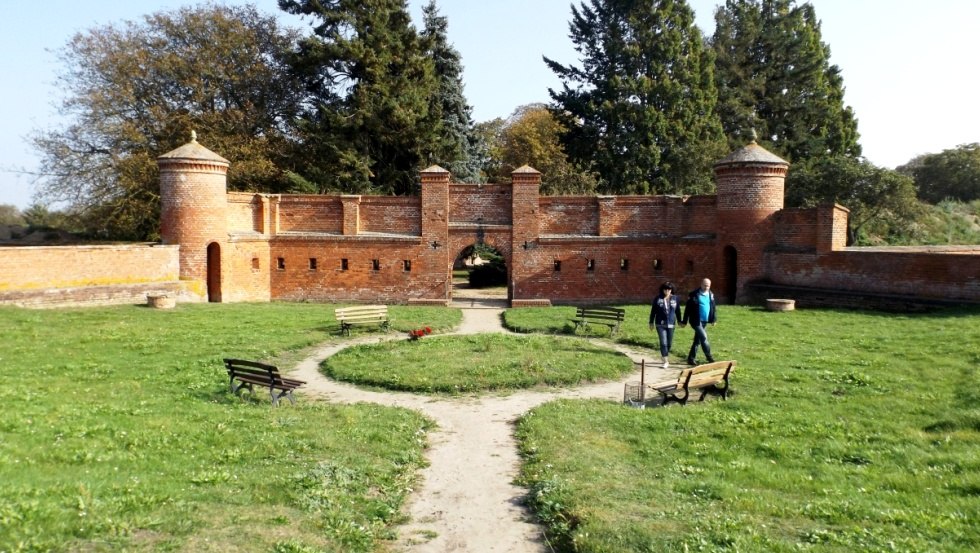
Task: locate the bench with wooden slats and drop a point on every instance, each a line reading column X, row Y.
column 248, row 374
column 609, row 316
column 710, row 378
column 362, row 315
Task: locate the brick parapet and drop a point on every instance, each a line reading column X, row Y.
column 831, row 228
column 352, row 215
column 434, row 254
column 526, row 206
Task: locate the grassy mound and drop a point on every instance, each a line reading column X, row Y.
column 480, row 362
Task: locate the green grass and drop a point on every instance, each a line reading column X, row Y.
column 633, row 330
column 404, row 318
column 473, row 363
column 847, row 431
column 118, row 434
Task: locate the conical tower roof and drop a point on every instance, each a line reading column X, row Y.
column 752, row 153
column 193, row 151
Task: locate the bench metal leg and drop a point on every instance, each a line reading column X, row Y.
column 236, row 389
column 276, row 397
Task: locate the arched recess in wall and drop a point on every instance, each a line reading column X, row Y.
column 214, row 272
column 731, row 273
column 480, row 270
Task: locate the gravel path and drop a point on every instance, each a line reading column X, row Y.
column 466, row 501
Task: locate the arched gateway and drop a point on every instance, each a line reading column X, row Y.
column 557, row 249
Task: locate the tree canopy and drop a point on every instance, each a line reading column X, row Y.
column 874, row 196
column 458, row 146
column 640, row 110
column 774, row 75
column 135, row 91
column 532, row 136
column 368, row 127
column 951, row 174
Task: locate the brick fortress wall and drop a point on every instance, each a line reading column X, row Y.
column 559, row 250
column 54, row 276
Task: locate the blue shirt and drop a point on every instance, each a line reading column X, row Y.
column 704, row 305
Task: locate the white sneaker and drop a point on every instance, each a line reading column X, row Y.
column 666, row 362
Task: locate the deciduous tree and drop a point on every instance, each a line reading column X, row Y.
column 873, row 195
column 10, row 215
column 951, row 174
column 136, row 90
column 641, row 107
column 532, row 136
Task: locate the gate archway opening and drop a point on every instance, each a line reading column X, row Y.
column 480, row 273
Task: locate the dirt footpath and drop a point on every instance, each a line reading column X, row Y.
column 466, row 500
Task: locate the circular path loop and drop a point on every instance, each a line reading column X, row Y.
column 466, row 500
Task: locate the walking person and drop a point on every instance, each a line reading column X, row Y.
column 665, row 313
column 699, row 311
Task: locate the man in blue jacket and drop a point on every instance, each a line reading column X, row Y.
column 699, row 311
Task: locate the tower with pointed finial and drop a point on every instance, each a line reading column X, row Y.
column 750, row 189
column 193, row 206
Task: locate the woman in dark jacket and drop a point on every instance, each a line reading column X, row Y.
column 665, row 313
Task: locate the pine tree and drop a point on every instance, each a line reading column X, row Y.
column 458, row 144
column 370, row 81
column 640, row 111
column 774, row 75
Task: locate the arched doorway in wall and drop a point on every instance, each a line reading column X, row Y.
column 731, row 273
column 214, row 272
column 479, row 274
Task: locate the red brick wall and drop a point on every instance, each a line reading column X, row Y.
column 245, row 212
column 634, row 244
column 796, row 229
column 77, row 275
column 488, row 204
column 568, row 215
column 940, row 273
column 699, row 216
column 392, row 215
column 640, row 215
column 682, row 262
column 245, row 270
column 360, row 282
column 308, row 213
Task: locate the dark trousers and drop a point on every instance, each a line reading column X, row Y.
column 700, row 339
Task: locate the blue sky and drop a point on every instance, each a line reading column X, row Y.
column 909, row 67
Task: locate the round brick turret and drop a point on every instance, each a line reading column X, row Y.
column 193, row 204
column 750, row 191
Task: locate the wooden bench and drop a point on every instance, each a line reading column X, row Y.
column 362, row 315
column 710, row 378
column 609, row 316
column 250, row 373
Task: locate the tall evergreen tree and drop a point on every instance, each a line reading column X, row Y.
column 773, row 74
column 640, row 111
column 368, row 128
column 458, row 144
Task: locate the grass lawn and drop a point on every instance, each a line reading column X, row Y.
column 482, row 362
column 118, row 433
column 847, row 431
